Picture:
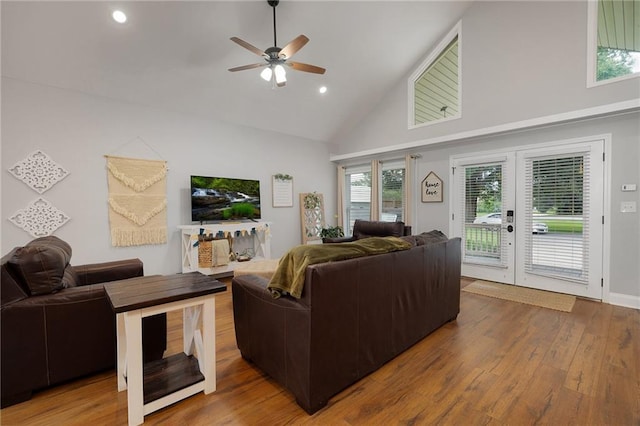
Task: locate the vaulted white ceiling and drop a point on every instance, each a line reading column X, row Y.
column 175, row 55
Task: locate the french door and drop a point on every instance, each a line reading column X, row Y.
column 533, row 217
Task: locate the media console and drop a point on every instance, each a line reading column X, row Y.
column 245, row 236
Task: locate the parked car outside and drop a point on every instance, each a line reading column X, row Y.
column 496, row 218
column 491, row 218
column 540, row 228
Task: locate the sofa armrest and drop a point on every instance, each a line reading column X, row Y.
column 51, row 338
column 256, row 287
column 109, row 271
column 272, row 333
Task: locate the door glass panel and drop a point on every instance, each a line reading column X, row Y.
column 557, row 217
column 482, row 200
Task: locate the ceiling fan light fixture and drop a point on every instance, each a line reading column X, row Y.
column 281, row 74
column 276, row 57
column 266, row 74
column 119, row 16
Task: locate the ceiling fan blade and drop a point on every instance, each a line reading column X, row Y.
column 299, row 66
column 248, row 46
column 284, row 83
column 247, row 67
column 294, row 45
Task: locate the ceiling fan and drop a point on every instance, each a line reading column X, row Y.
column 275, row 57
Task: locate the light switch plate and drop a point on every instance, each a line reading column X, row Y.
column 627, row 187
column 628, row 207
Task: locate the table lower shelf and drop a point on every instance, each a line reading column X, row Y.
column 168, row 375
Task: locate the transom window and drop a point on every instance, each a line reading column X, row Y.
column 434, row 88
column 614, row 50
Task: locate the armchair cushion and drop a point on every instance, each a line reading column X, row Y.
column 41, row 265
column 366, row 228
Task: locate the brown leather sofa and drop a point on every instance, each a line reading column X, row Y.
column 368, row 228
column 56, row 321
column 353, row 316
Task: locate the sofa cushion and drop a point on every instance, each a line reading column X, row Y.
column 70, row 277
column 12, row 290
column 430, row 237
column 41, row 264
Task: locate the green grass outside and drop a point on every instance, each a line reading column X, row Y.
column 559, row 225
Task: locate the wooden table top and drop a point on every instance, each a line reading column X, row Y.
column 143, row 292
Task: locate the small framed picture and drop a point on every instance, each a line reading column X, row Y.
column 282, row 190
column 432, row 188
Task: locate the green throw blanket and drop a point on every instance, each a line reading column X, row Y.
column 290, row 274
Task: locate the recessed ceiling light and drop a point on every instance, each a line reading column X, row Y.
column 323, row 89
column 119, row 16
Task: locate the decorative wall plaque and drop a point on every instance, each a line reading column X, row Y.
column 40, row 218
column 282, row 188
column 432, row 188
column 38, row 171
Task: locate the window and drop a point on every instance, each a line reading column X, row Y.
column 387, row 179
column 614, row 41
column 556, row 194
column 392, row 191
column 434, row 89
column 357, row 195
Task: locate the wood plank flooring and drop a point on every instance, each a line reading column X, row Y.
column 500, row 363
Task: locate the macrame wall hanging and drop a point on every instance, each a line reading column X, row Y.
column 137, row 201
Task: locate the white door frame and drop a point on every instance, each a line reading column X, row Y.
column 606, row 231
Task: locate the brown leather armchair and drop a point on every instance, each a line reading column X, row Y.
column 368, row 228
column 56, row 321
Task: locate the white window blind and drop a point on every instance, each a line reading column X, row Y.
column 480, row 198
column 357, row 195
column 392, row 187
column 556, row 195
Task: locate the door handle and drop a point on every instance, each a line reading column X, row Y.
column 510, row 228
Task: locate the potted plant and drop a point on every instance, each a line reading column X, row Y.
column 332, row 232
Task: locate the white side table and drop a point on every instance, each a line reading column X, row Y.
column 160, row 383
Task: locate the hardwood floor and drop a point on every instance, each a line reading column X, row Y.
column 500, row 363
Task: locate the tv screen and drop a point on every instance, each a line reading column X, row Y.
column 221, row 198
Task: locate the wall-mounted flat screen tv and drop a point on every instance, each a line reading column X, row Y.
column 222, row 198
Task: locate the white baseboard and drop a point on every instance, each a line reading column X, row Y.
column 624, row 300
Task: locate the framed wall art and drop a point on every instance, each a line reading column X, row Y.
column 282, row 190
column 432, row 189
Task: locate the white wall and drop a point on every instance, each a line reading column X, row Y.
column 77, row 130
column 520, row 60
column 625, row 154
